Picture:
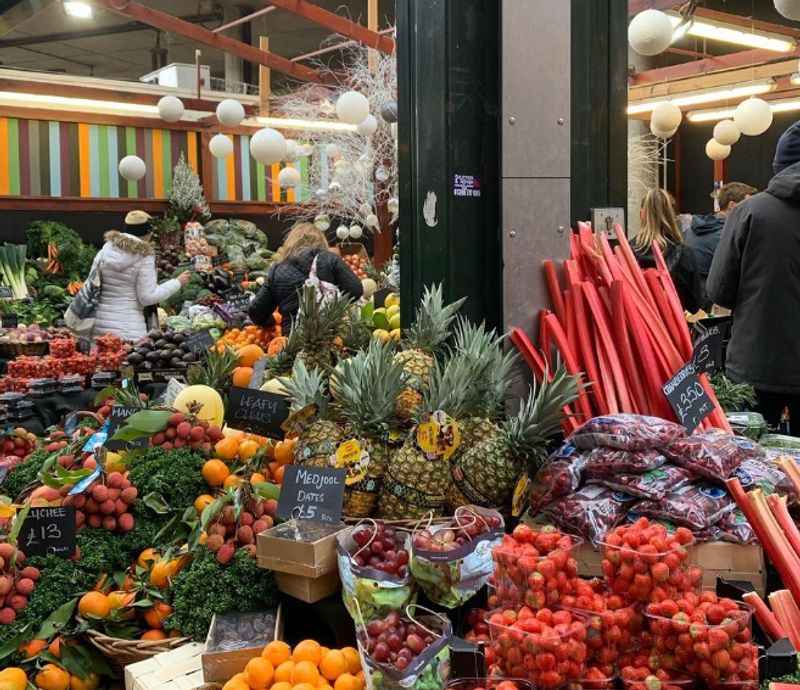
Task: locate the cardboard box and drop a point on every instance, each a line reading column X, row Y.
column 178, row 669
column 718, row 559
column 299, row 548
column 307, row 589
column 220, row 665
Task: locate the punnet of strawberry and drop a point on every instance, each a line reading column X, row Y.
column 642, row 562
column 534, row 568
column 498, row 683
column 545, row 647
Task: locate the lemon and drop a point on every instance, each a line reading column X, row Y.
column 392, row 300
column 395, row 335
column 394, row 322
column 391, row 311
column 382, row 335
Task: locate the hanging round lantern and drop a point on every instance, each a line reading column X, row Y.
column 230, row 112
column 393, row 205
column 352, row 107
column 369, row 126
column 753, row 117
column 289, row 178
column 666, row 117
column 381, row 174
column 727, row 133
column 221, row 146
column 389, row 112
column 291, row 150
column 268, row 146
column 332, row 151
column 662, row 134
column 322, row 222
column 372, row 221
column 132, row 168
column 305, row 150
column 355, row 232
column 342, row 232
column 170, row 109
column 716, row 151
column 650, row 32
column 789, row 9
column 321, row 194
column 334, row 187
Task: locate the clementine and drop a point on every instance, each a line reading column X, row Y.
column 94, row 604
column 13, row 678
column 32, row 648
column 52, row 677
column 259, row 673
column 153, row 635
column 333, row 664
column 241, row 376
column 277, row 652
column 227, row 448
column 283, row 673
column 353, row 659
column 202, row 501
column 215, row 472
column 90, row 682
column 347, row 681
column 155, row 615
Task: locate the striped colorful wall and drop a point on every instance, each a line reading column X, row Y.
column 239, row 177
column 67, row 159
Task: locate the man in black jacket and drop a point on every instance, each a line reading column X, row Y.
column 756, row 273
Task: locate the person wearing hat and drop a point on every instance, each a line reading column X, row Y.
column 129, row 280
column 756, row 274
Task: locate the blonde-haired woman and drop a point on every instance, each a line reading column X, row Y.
column 305, row 247
column 659, row 225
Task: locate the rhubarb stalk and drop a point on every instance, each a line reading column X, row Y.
column 766, row 619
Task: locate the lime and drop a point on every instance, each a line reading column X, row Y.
column 380, row 320
column 394, row 322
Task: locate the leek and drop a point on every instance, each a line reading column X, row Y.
column 12, row 269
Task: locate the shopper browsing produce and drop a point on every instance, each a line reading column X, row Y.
column 129, row 281
column 303, row 255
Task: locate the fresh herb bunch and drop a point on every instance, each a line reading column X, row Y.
column 24, row 474
column 733, row 397
column 169, row 476
column 205, row 588
column 74, row 255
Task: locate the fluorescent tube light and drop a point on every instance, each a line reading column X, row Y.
column 78, row 9
column 699, row 116
column 69, row 102
column 307, row 125
column 730, row 33
column 708, row 96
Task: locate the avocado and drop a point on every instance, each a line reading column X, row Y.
column 189, row 357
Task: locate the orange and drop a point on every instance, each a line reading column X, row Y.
column 241, row 377
column 277, row 475
column 281, row 686
column 277, row 652
column 323, row 650
column 215, row 472
column 95, row 604
column 283, row 673
column 284, row 451
column 90, row 682
column 13, row 678
column 32, row 648
column 352, row 658
column 304, row 686
column 259, row 672
column 308, row 650
column 347, row 681
column 238, row 682
column 248, row 449
column 257, row 478
column 227, row 448
column 147, row 558
column 360, row 679
column 154, row 635
column 55, row 648
column 52, row 677
column 322, row 683
column 305, row 672
column 160, row 574
column 201, row 502
column 120, row 599
column 232, row 481
column 333, row 664
column 154, row 616
column 249, row 355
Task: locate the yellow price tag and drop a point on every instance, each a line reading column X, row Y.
column 348, row 453
column 427, row 437
column 520, row 498
column 7, row 510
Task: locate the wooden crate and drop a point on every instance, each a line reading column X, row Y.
column 178, row 669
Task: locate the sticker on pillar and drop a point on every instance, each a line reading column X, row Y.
column 429, row 210
column 467, row 186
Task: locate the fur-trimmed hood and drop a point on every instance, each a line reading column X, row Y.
column 129, row 243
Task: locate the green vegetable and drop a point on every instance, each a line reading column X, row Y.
column 733, row 397
column 24, row 474
column 74, row 255
column 780, row 441
column 205, row 587
column 174, row 475
column 12, row 268
column 53, row 291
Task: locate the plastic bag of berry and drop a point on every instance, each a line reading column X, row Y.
column 452, row 560
column 698, row 505
column 373, row 567
column 627, row 432
column 713, row 454
column 591, row 511
column 406, row 652
column 559, row 477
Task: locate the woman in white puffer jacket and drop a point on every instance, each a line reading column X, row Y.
column 129, row 280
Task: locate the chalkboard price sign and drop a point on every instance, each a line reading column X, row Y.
column 49, row 531
column 119, row 413
column 312, row 493
column 199, row 342
column 688, row 398
column 9, row 320
column 707, row 355
column 239, row 302
column 259, row 411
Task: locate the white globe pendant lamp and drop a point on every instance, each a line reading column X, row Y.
column 727, row 133
column 230, row 112
column 132, row 168
column 355, row 232
column 352, row 107
column 369, row 126
column 753, row 117
column 170, row 109
column 268, row 146
column 289, row 178
column 789, row 9
column 372, row 221
column 342, row 232
column 666, row 117
column 322, row 222
column 650, row 32
column 291, row 150
column 716, row 151
column 662, row 134
column 221, row 146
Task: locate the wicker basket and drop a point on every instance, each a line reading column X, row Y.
column 123, row 652
column 12, row 350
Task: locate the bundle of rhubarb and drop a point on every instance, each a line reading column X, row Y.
column 622, row 327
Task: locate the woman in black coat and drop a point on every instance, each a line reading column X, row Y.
column 303, row 245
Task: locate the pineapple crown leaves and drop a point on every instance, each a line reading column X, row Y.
column 365, row 388
column 318, row 321
column 306, row 386
column 539, row 417
column 216, row 369
column 452, row 386
column 433, row 320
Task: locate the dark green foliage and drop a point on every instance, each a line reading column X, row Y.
column 74, row 255
column 24, row 474
column 205, row 587
column 174, row 475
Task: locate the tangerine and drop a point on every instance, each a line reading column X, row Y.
column 13, row 678
column 120, row 599
column 90, row 682
column 52, row 677
column 353, row 659
column 160, row 573
column 55, row 648
column 248, row 449
column 147, row 557
column 155, row 615
column 241, row 377
column 333, row 664
column 238, row 682
column 277, row 475
column 259, row 673
column 249, row 355
column 215, row 471
column 232, row 481
column 227, row 448
column 283, row 673
column 305, row 672
column 277, row 652
column 94, row 604
column 202, row 501
column 284, row 451
column 347, row 681
column 257, row 478
column 304, row 686
column 32, row 648
column 281, row 686
column 153, row 635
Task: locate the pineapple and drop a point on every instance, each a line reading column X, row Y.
column 319, row 433
column 487, row 471
column 416, row 484
column 318, row 329
column 365, row 387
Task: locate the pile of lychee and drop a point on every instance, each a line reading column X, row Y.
column 227, row 534
column 105, row 503
column 17, row 582
column 185, row 431
column 18, row 445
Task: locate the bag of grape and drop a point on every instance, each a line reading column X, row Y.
column 410, row 652
column 451, row 561
column 373, row 568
